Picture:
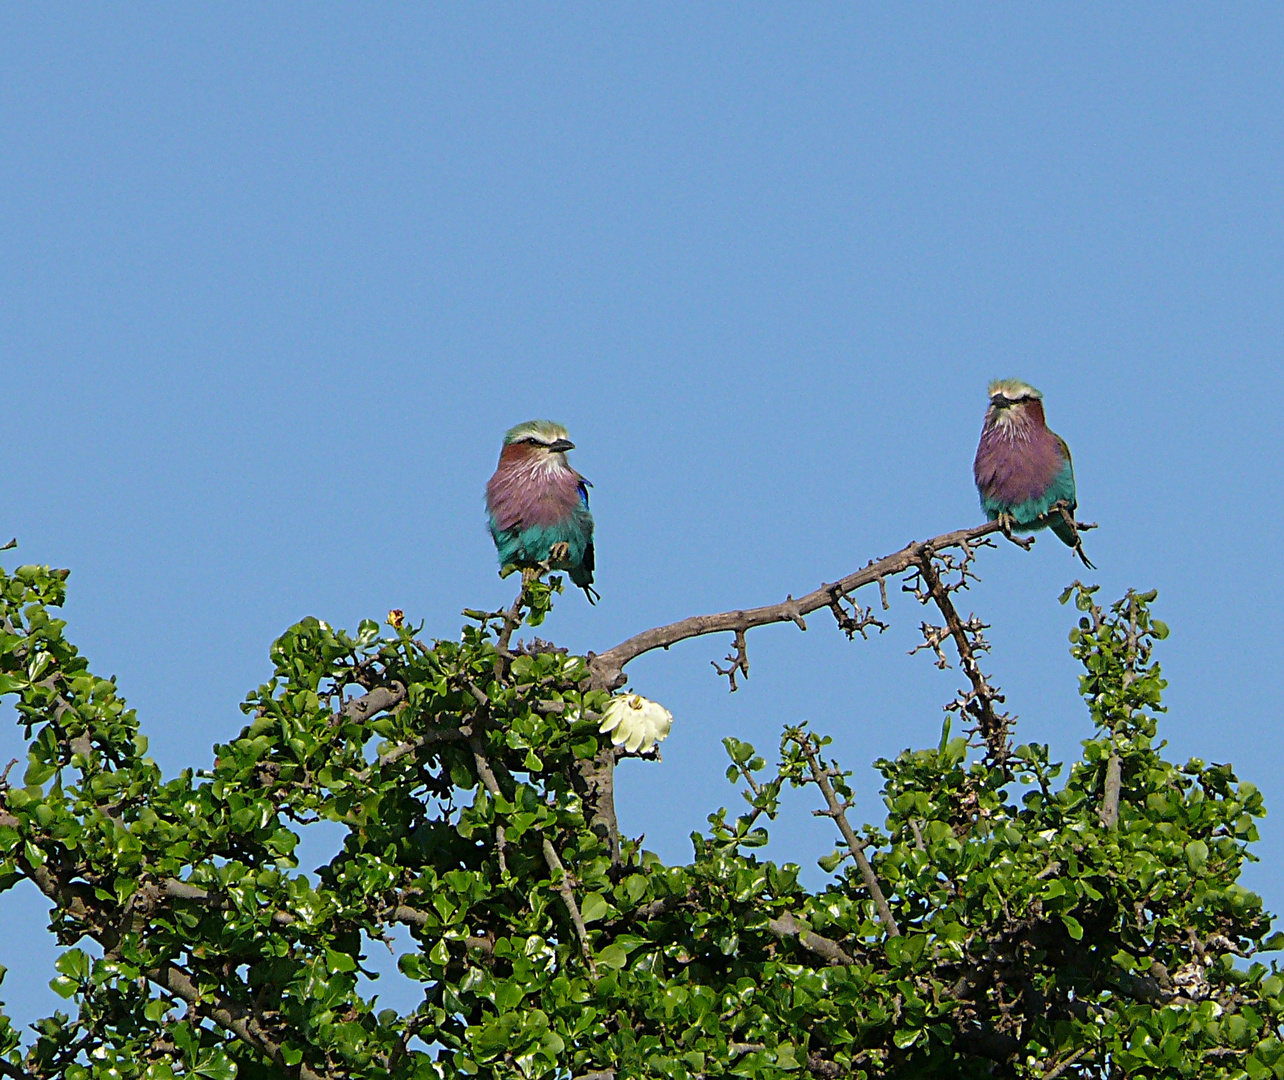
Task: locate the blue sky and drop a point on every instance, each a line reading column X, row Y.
column 275, row 279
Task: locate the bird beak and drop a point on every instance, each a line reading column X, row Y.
column 560, row 446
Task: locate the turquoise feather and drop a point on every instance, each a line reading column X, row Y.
column 1027, row 514
column 533, row 544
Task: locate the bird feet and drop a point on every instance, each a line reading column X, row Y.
column 1006, row 521
column 559, row 552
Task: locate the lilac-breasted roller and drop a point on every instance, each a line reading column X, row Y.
column 538, row 504
column 1023, row 467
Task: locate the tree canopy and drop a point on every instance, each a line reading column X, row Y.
column 1008, row 917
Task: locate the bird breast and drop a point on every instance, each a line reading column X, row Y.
column 530, row 493
column 1016, row 462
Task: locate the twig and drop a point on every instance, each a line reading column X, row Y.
column 1114, row 766
column 838, row 812
column 918, row 835
column 1074, row 527
column 568, row 898
column 738, row 660
column 512, row 620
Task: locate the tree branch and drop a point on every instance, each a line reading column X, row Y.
column 226, row 1014
column 1061, row 1066
column 839, row 813
column 608, row 667
column 1114, row 781
column 786, row 926
column 979, row 702
column 492, row 785
column 563, row 887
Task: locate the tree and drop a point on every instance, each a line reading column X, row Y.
column 1001, row 921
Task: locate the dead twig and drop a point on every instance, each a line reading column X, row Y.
column 738, row 661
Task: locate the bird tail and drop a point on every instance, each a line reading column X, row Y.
column 1069, row 535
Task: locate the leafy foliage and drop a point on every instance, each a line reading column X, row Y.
column 995, row 924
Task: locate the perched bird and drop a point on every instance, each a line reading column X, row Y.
column 1023, row 468
column 538, row 504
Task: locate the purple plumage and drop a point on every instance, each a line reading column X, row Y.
column 1017, row 460
column 526, row 492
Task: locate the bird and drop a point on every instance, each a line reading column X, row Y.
column 1023, row 468
column 538, row 505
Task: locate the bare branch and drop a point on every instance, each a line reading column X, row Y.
column 738, row 660
column 608, row 667
column 1063, row 509
column 512, row 620
column 978, row 703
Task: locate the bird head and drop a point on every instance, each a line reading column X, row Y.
column 1012, row 401
column 541, row 440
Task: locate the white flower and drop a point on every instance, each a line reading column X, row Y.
column 635, row 722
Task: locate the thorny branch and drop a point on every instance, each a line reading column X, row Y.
column 608, row 667
column 978, row 702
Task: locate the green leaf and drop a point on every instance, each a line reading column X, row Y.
column 594, row 907
column 1073, row 927
column 613, row 956
column 1196, row 854
column 63, row 986
column 216, row 1065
